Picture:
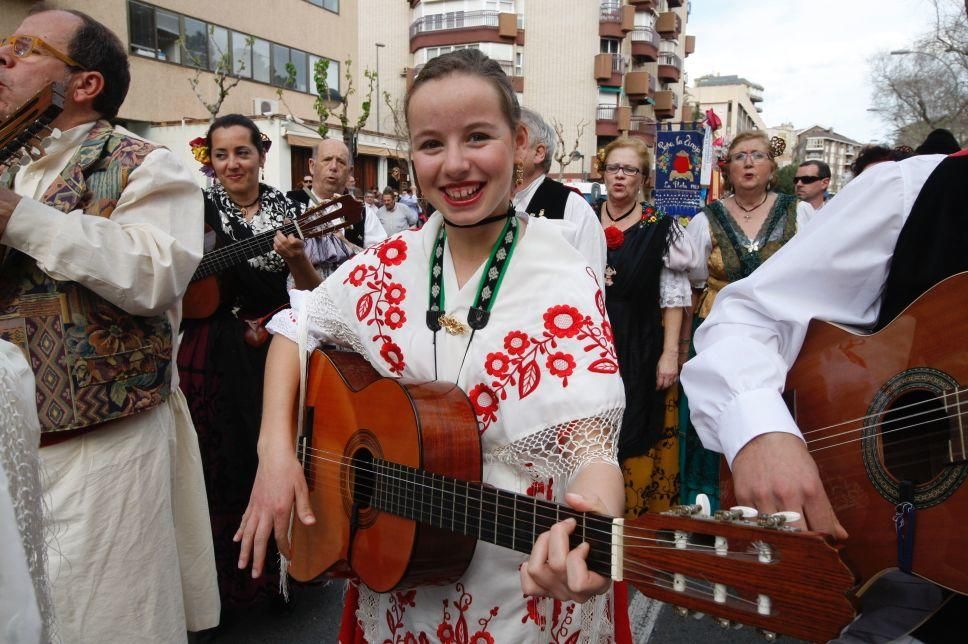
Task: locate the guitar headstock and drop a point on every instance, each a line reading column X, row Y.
column 330, row 216
column 25, row 133
column 778, row 579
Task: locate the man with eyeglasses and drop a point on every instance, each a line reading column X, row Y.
column 101, row 237
column 811, row 183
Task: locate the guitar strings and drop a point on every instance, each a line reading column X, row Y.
column 942, row 397
column 631, row 532
column 633, row 571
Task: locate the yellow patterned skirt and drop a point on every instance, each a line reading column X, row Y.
column 652, row 480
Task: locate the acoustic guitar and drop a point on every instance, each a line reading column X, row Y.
column 394, row 471
column 202, row 297
column 25, row 133
column 885, row 417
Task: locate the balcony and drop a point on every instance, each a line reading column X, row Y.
column 640, row 5
column 609, row 69
column 610, row 120
column 643, row 127
column 669, row 25
column 645, row 45
column 674, row 3
column 690, row 45
column 639, row 86
column 615, row 20
column 465, row 27
column 666, row 104
column 507, row 66
column 669, row 68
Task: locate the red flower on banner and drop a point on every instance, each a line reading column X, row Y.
column 563, row 321
column 392, row 252
column 614, row 237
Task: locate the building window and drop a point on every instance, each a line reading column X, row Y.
column 329, row 5
column 174, row 38
column 519, row 64
column 609, row 45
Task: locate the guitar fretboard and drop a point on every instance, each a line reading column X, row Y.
column 222, row 258
column 496, row 516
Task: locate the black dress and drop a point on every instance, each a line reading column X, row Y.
column 221, row 376
column 632, row 301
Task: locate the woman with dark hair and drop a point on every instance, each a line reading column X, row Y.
column 646, row 289
column 734, row 235
column 539, row 369
column 220, row 373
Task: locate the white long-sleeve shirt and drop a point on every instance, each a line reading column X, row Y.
column 835, row 273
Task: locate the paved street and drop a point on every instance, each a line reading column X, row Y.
column 314, row 616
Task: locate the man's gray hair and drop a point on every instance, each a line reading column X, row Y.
column 539, row 133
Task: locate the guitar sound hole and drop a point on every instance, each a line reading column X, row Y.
column 914, row 437
column 364, row 479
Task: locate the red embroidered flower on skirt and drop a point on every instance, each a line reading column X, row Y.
column 516, row 342
column 562, row 365
column 497, row 364
column 484, row 402
column 563, row 321
column 358, row 274
column 394, row 293
column 395, row 317
column 607, row 331
column 392, row 252
column 614, row 237
column 445, row 632
column 481, row 637
column 394, row 357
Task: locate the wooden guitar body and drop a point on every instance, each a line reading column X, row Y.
column 880, row 409
column 434, row 429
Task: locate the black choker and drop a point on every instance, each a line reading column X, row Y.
column 608, row 213
column 482, row 222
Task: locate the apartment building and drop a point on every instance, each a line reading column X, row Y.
column 734, row 99
column 171, row 42
column 818, row 143
column 597, row 68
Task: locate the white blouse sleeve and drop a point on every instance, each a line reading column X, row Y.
column 325, row 324
column 681, row 254
column 698, row 233
column 836, row 273
column 674, row 289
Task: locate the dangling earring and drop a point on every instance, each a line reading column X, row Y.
column 263, row 170
column 518, row 173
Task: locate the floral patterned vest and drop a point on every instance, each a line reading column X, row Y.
column 92, row 361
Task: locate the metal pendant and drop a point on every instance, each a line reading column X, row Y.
column 452, row 325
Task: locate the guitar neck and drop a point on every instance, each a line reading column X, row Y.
column 239, row 252
column 489, row 514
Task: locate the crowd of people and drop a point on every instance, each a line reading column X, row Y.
column 166, row 476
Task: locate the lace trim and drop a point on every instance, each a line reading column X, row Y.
column 560, row 451
column 21, row 462
column 325, row 315
column 674, row 289
column 367, row 610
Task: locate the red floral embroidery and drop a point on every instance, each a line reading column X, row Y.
column 563, row 321
column 399, row 601
column 393, row 356
column 614, row 237
column 395, row 317
column 484, row 402
column 458, row 631
column 497, row 364
column 562, row 365
column 392, row 252
column 378, row 303
column 394, row 293
column 523, row 370
column 516, row 342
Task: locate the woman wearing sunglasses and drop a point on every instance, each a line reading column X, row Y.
column 734, row 235
column 646, row 289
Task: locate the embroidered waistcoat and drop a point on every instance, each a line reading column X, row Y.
column 92, row 361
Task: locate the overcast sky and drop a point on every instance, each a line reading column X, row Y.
column 810, row 56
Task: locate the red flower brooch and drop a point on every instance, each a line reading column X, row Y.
column 614, row 237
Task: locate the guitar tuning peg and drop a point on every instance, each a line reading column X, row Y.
column 54, row 134
column 769, row 636
column 745, row 511
column 788, row 517
column 682, row 611
column 723, row 622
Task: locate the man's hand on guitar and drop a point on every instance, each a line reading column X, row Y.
column 774, row 472
column 556, row 571
column 288, row 246
column 278, row 481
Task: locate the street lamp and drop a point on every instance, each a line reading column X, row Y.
column 379, row 46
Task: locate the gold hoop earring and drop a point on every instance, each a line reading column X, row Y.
column 518, row 173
